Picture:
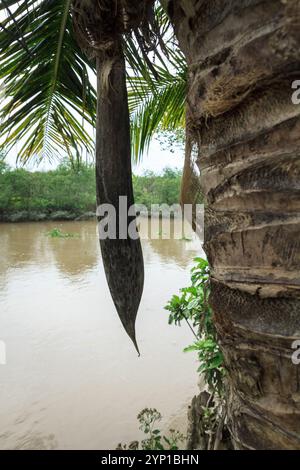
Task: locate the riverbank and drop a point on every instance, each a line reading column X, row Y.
column 65, row 216
column 66, row 195
column 59, row 216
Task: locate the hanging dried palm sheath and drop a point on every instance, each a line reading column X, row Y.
column 100, row 26
column 122, row 258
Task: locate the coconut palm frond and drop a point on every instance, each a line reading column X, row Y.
column 47, row 97
column 47, row 94
column 156, row 97
column 159, row 108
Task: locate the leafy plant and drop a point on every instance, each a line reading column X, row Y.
column 3, row 165
column 150, row 188
column 148, row 419
column 45, row 193
column 172, row 140
column 193, row 308
column 57, row 233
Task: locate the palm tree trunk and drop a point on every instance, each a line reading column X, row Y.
column 243, row 56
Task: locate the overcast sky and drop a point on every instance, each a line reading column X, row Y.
column 156, row 160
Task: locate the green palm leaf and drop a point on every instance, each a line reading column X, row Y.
column 48, row 100
column 157, row 108
column 48, row 97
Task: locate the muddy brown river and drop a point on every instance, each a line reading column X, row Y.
column 72, row 379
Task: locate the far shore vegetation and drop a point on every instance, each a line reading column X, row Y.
column 66, row 194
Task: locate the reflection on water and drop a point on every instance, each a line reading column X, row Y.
column 73, row 379
column 28, row 244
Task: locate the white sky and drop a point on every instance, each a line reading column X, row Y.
column 156, row 160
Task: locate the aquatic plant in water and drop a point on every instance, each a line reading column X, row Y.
column 57, row 233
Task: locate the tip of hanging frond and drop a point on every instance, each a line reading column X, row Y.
column 131, row 333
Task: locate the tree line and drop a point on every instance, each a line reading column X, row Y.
column 65, row 194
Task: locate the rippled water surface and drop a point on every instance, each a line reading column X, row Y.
column 72, row 378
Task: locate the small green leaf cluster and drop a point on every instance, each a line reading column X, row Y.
column 192, row 307
column 57, row 233
column 155, row 440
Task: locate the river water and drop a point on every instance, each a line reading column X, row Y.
column 72, row 379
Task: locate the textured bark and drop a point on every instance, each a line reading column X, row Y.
column 122, row 258
column 243, row 56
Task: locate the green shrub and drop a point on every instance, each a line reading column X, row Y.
column 192, row 307
column 155, row 440
column 70, row 194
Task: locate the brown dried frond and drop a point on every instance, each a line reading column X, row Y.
column 100, row 24
column 227, row 92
